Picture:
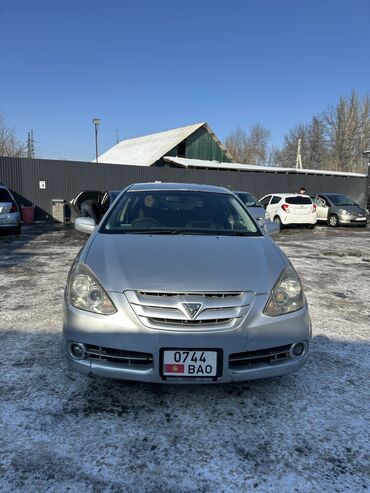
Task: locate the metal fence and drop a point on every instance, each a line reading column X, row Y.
column 38, row 181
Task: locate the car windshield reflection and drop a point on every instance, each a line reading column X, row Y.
column 179, row 212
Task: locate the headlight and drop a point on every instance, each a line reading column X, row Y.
column 86, row 293
column 286, row 296
column 343, row 211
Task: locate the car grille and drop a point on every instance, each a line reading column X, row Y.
column 242, row 361
column 167, row 310
column 120, row 356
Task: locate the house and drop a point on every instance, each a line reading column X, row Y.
column 196, row 141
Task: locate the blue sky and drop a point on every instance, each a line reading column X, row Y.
column 146, row 66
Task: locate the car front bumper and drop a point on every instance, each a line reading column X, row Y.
column 257, row 334
column 345, row 219
column 298, row 219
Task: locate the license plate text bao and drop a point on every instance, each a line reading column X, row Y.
column 190, row 363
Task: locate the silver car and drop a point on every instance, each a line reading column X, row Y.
column 179, row 284
column 10, row 218
column 338, row 210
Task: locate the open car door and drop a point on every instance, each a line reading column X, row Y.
column 81, row 197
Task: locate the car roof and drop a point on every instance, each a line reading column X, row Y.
column 177, row 186
column 330, row 193
column 284, row 195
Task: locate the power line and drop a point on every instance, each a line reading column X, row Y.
column 349, row 139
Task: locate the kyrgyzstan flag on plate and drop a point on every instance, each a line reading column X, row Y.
column 174, row 368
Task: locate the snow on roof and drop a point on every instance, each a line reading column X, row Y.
column 199, row 163
column 146, row 150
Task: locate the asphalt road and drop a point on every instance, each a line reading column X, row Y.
column 306, row 432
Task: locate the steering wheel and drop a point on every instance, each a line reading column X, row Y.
column 144, row 222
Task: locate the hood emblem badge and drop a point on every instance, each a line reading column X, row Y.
column 192, row 309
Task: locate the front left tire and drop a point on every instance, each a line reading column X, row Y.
column 333, row 220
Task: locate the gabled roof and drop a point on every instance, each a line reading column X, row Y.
column 146, row 150
column 200, row 163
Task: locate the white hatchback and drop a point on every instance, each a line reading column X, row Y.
column 288, row 208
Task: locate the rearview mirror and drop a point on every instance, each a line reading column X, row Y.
column 85, row 225
column 271, row 228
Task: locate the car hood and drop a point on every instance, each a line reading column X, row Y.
column 184, row 263
column 353, row 209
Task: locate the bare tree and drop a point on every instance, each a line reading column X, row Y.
column 287, row 155
column 314, row 145
column 258, row 143
column 348, row 132
column 236, row 143
column 334, row 139
column 250, row 147
column 10, row 145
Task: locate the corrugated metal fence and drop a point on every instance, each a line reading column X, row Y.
column 65, row 179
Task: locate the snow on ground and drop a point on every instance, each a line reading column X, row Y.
column 307, row 432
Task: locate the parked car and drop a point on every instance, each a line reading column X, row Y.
column 93, row 203
column 336, row 209
column 10, row 218
column 288, row 208
column 255, row 209
column 179, row 284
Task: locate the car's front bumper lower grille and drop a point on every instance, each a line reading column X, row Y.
column 242, row 361
column 118, row 356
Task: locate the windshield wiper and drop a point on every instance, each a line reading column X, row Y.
column 171, row 231
column 189, row 231
column 240, row 233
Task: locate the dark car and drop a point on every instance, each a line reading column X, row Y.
column 93, row 203
column 254, row 207
column 336, row 209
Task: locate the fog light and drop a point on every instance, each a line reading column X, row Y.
column 298, row 350
column 77, row 350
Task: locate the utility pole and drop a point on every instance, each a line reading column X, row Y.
column 96, row 122
column 30, row 145
column 117, row 136
column 298, row 163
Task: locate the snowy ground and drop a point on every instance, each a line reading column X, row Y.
column 307, row 432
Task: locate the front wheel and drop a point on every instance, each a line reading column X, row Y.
column 333, row 220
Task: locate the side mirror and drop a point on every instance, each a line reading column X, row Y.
column 271, row 228
column 85, row 225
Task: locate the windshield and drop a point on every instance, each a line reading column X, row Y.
column 298, row 200
column 341, row 200
column 248, row 199
column 4, row 195
column 179, row 212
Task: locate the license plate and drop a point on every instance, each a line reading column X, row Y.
column 189, row 363
column 360, row 218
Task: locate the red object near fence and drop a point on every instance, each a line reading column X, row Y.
column 28, row 215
